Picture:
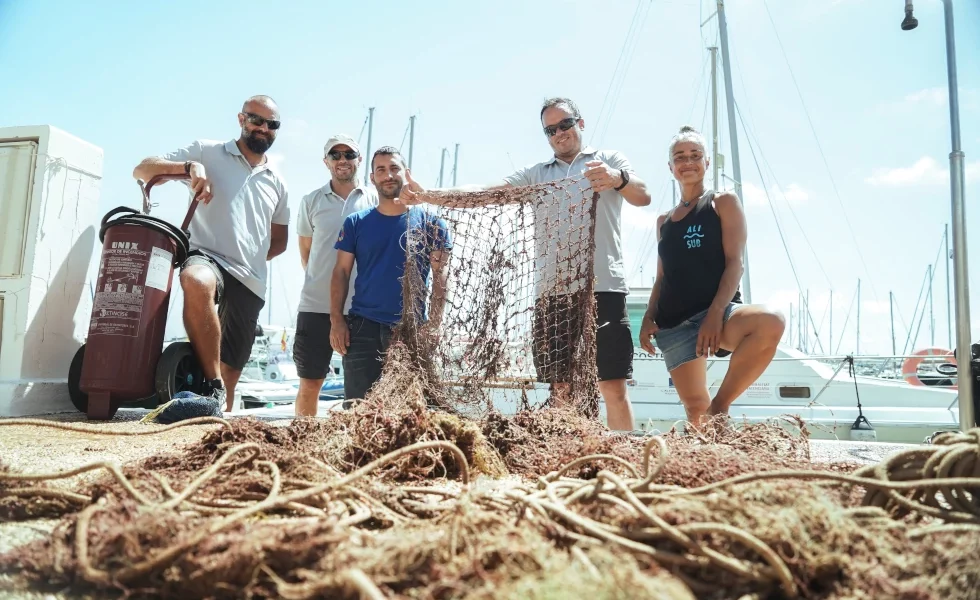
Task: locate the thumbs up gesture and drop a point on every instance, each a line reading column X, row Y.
column 412, row 192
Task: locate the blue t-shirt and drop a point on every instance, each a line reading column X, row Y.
column 378, row 243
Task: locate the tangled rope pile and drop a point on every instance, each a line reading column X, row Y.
column 254, row 510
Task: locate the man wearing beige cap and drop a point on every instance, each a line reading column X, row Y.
column 321, row 217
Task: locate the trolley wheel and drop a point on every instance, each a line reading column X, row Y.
column 75, row 393
column 178, row 371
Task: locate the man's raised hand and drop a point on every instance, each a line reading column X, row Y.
column 411, row 192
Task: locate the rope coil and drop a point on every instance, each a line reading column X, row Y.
column 624, row 511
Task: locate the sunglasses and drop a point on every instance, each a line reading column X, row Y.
column 564, row 125
column 337, row 154
column 258, row 121
column 693, row 158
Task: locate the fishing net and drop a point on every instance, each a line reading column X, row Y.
column 520, row 305
column 392, row 500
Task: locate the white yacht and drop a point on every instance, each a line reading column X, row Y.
column 824, row 391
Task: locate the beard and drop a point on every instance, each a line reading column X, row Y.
column 257, row 143
column 383, row 190
column 350, row 177
column 570, row 145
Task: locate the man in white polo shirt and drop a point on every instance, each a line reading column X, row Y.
column 243, row 221
column 609, row 173
column 320, row 218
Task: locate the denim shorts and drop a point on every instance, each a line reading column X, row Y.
column 679, row 344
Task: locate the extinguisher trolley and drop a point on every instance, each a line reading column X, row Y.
column 123, row 361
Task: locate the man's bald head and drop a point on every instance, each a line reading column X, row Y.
column 261, row 104
column 259, row 121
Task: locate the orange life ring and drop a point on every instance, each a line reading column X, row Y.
column 910, row 366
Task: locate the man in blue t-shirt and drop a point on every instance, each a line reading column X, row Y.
column 375, row 239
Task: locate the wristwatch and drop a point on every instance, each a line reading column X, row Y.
column 187, row 167
column 626, row 179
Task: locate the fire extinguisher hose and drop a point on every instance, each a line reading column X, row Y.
column 130, row 216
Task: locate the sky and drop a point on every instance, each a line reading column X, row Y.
column 845, row 114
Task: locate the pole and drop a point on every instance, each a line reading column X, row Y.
column 442, row 165
column 733, row 134
column 891, row 313
column 269, row 316
column 961, row 273
column 455, row 164
column 673, row 191
column 806, row 323
column 830, row 341
column 858, row 347
column 791, row 324
column 949, row 306
column 932, row 320
column 799, row 322
column 714, row 115
column 367, row 172
column 411, row 139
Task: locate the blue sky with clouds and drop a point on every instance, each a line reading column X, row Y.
column 143, row 78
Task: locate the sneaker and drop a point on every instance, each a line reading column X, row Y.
column 215, row 390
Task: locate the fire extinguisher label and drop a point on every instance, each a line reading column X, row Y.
column 119, row 296
column 158, row 271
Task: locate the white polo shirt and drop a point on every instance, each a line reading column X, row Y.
column 235, row 228
column 556, row 221
column 321, row 216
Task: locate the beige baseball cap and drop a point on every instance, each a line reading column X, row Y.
column 340, row 138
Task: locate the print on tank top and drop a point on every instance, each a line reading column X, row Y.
column 693, row 236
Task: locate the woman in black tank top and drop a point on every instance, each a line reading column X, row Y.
column 695, row 308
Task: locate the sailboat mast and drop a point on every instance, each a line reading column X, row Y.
column 830, row 334
column 799, row 323
column 790, row 324
column 932, row 320
column 367, row 172
column 411, row 139
column 891, row 313
column 858, row 342
column 442, row 164
column 714, row 116
column 455, row 164
column 949, row 306
column 733, row 134
column 806, row 323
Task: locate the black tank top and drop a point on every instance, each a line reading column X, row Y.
column 693, row 260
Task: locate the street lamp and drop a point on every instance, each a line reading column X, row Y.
column 910, row 22
column 957, row 177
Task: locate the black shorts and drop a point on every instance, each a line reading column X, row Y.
column 238, row 311
column 311, row 346
column 558, row 331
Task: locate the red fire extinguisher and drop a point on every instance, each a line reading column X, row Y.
column 123, row 360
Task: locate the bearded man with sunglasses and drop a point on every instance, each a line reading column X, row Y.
column 321, row 216
column 243, row 221
column 609, row 173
